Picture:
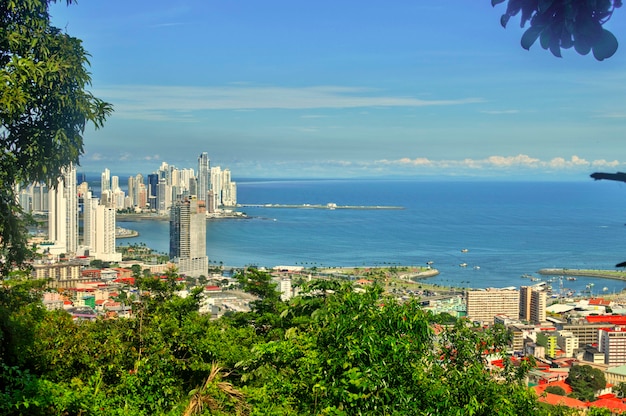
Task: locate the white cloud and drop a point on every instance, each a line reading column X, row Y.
column 161, row 102
column 501, row 162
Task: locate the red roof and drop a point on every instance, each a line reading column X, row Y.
column 609, row 319
column 556, row 400
column 540, row 389
column 615, row 405
column 599, row 301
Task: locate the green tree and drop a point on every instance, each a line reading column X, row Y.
column 562, row 24
column 585, row 381
column 364, row 353
column 558, row 390
column 44, row 109
column 136, row 269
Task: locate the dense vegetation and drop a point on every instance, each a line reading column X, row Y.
column 334, row 350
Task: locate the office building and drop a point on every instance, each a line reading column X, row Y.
column 204, row 177
column 483, row 305
column 532, row 304
column 613, row 344
column 188, row 237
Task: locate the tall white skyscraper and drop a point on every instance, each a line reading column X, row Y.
column 105, row 181
column 63, row 212
column 188, row 237
column 216, row 186
column 99, row 230
column 204, row 176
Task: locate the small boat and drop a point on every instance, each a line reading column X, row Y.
column 463, row 265
column 571, row 279
column 464, row 250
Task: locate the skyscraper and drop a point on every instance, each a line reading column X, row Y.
column 188, row 237
column 63, row 212
column 99, row 230
column 532, row 304
column 105, row 181
column 204, row 176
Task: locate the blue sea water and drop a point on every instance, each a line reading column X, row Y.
column 508, row 228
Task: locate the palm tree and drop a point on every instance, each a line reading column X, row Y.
column 215, row 394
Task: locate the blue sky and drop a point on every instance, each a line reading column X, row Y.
column 343, row 89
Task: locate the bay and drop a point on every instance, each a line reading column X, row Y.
column 508, row 228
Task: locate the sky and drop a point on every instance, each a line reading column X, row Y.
column 288, row 89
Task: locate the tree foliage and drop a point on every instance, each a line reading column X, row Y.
column 44, row 109
column 563, row 24
column 585, row 381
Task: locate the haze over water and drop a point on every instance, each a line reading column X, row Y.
column 508, row 228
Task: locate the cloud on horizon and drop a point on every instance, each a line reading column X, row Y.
column 519, row 161
column 488, row 166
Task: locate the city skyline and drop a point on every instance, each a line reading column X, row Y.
column 343, row 90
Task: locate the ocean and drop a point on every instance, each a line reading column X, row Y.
column 500, row 230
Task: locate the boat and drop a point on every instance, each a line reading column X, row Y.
column 464, row 250
column 571, row 279
column 463, row 265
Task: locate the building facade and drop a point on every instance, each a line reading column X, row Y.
column 613, row 344
column 188, row 237
column 484, row 305
column 532, row 304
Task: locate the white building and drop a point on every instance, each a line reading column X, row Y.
column 63, row 213
column 612, row 343
column 99, row 230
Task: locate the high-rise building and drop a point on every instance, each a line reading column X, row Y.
column 229, row 189
column 612, row 343
column 188, row 237
column 532, row 304
column 63, row 212
column 204, row 177
column 132, row 192
column 105, row 181
column 153, row 189
column 99, row 230
column 216, row 186
column 484, row 305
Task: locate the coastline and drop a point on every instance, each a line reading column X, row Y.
column 406, row 273
column 125, row 233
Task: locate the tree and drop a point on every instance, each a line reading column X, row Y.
column 585, row 381
column 44, row 109
column 562, row 24
column 558, row 390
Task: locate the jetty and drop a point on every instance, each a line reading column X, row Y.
column 330, row 205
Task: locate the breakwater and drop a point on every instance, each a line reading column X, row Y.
column 607, row 274
column 319, row 206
